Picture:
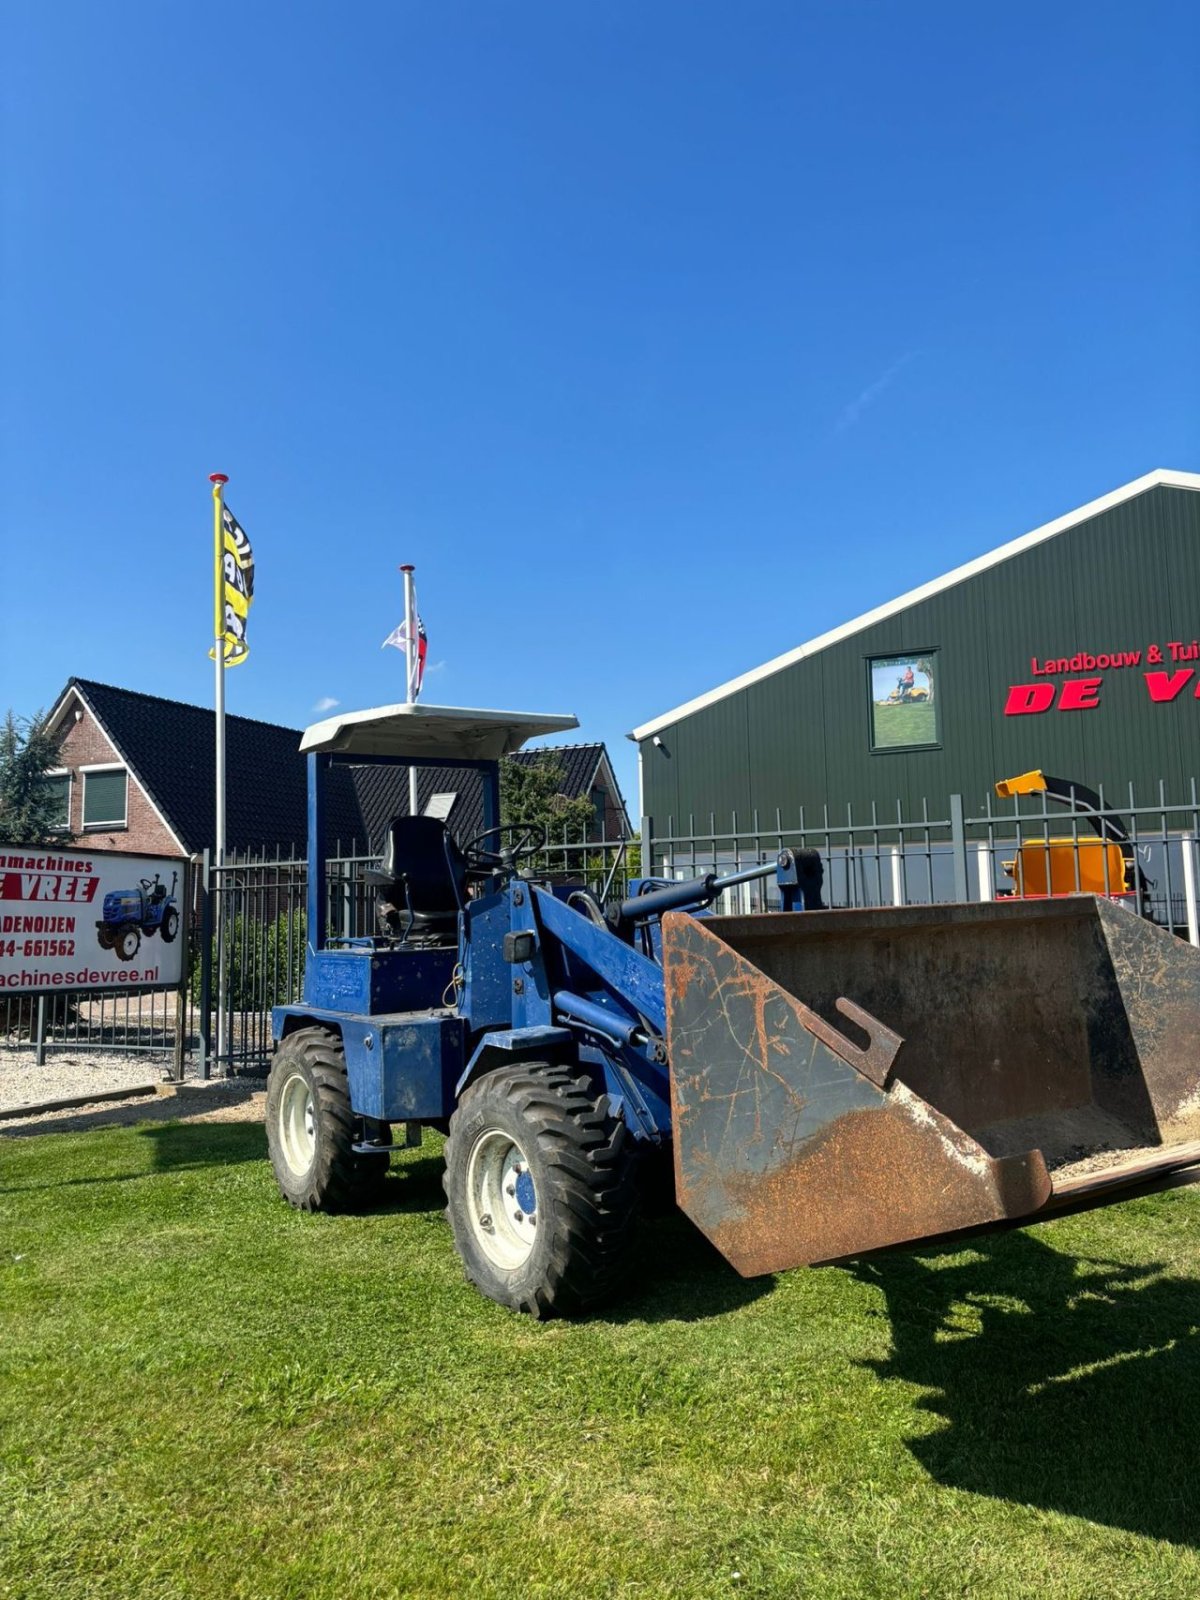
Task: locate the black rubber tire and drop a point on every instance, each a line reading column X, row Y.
column 127, row 942
column 336, row 1179
column 582, row 1164
column 169, row 926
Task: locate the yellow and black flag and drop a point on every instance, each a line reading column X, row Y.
column 235, row 588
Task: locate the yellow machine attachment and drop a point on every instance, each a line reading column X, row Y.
column 1102, row 865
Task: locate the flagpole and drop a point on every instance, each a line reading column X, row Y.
column 218, row 481
column 411, row 648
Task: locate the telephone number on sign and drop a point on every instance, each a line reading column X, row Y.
column 37, row 947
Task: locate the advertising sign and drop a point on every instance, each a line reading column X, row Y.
column 87, row 919
column 1165, row 677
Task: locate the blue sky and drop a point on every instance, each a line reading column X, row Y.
column 661, row 337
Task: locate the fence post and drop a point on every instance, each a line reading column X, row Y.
column 39, row 1042
column 1189, row 889
column 206, row 942
column 958, row 840
column 647, row 870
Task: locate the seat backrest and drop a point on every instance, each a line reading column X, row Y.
column 421, row 852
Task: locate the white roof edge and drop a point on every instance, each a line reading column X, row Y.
column 470, row 733
column 608, row 767
column 1161, row 476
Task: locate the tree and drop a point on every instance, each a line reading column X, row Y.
column 29, row 810
column 926, row 666
column 531, row 795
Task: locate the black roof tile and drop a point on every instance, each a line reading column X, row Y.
column 169, row 746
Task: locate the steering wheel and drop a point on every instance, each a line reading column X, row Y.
column 530, row 838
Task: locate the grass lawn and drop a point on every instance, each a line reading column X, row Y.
column 205, row 1394
column 903, row 724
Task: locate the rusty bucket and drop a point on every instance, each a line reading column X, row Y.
column 846, row 1081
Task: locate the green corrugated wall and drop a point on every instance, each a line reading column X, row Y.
column 1123, row 580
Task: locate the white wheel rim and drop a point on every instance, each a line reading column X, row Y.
column 501, row 1200
column 297, row 1125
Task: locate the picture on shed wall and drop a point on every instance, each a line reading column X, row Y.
column 903, row 701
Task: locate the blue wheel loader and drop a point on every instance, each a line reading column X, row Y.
column 824, row 1083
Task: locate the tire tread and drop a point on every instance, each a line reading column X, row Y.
column 589, row 1179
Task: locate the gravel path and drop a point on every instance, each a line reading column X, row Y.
column 70, row 1073
column 223, row 1100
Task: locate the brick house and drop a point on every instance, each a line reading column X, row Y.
column 137, row 773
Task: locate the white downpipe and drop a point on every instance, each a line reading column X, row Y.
column 897, row 853
column 983, row 858
column 1189, row 888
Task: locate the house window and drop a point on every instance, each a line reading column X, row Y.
column 104, row 797
column 904, row 701
column 58, row 787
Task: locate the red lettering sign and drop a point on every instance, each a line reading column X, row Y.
column 1166, row 685
column 1024, row 699
column 1080, row 694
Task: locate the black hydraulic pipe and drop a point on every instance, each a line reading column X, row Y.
column 692, row 892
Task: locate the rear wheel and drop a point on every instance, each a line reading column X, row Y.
column 170, row 924
column 540, row 1189
column 312, row 1130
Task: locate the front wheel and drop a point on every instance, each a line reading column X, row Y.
column 126, row 942
column 312, row 1129
column 540, row 1189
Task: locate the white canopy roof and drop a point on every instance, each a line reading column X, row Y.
column 421, row 733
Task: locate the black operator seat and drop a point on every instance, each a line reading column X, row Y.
column 421, row 878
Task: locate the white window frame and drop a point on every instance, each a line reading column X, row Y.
column 102, row 827
column 65, row 772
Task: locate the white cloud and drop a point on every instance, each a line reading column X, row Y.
column 851, row 413
column 433, row 666
column 326, row 703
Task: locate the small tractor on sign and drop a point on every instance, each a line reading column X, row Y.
column 133, row 914
column 827, row 1083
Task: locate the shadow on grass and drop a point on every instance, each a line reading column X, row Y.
column 1064, row 1383
column 414, row 1188
column 677, row 1276
column 179, row 1145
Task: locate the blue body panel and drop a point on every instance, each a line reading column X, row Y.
column 367, row 982
column 487, row 977
column 401, row 1068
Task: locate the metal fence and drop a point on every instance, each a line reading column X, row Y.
column 155, row 1023
column 892, row 857
column 248, row 932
